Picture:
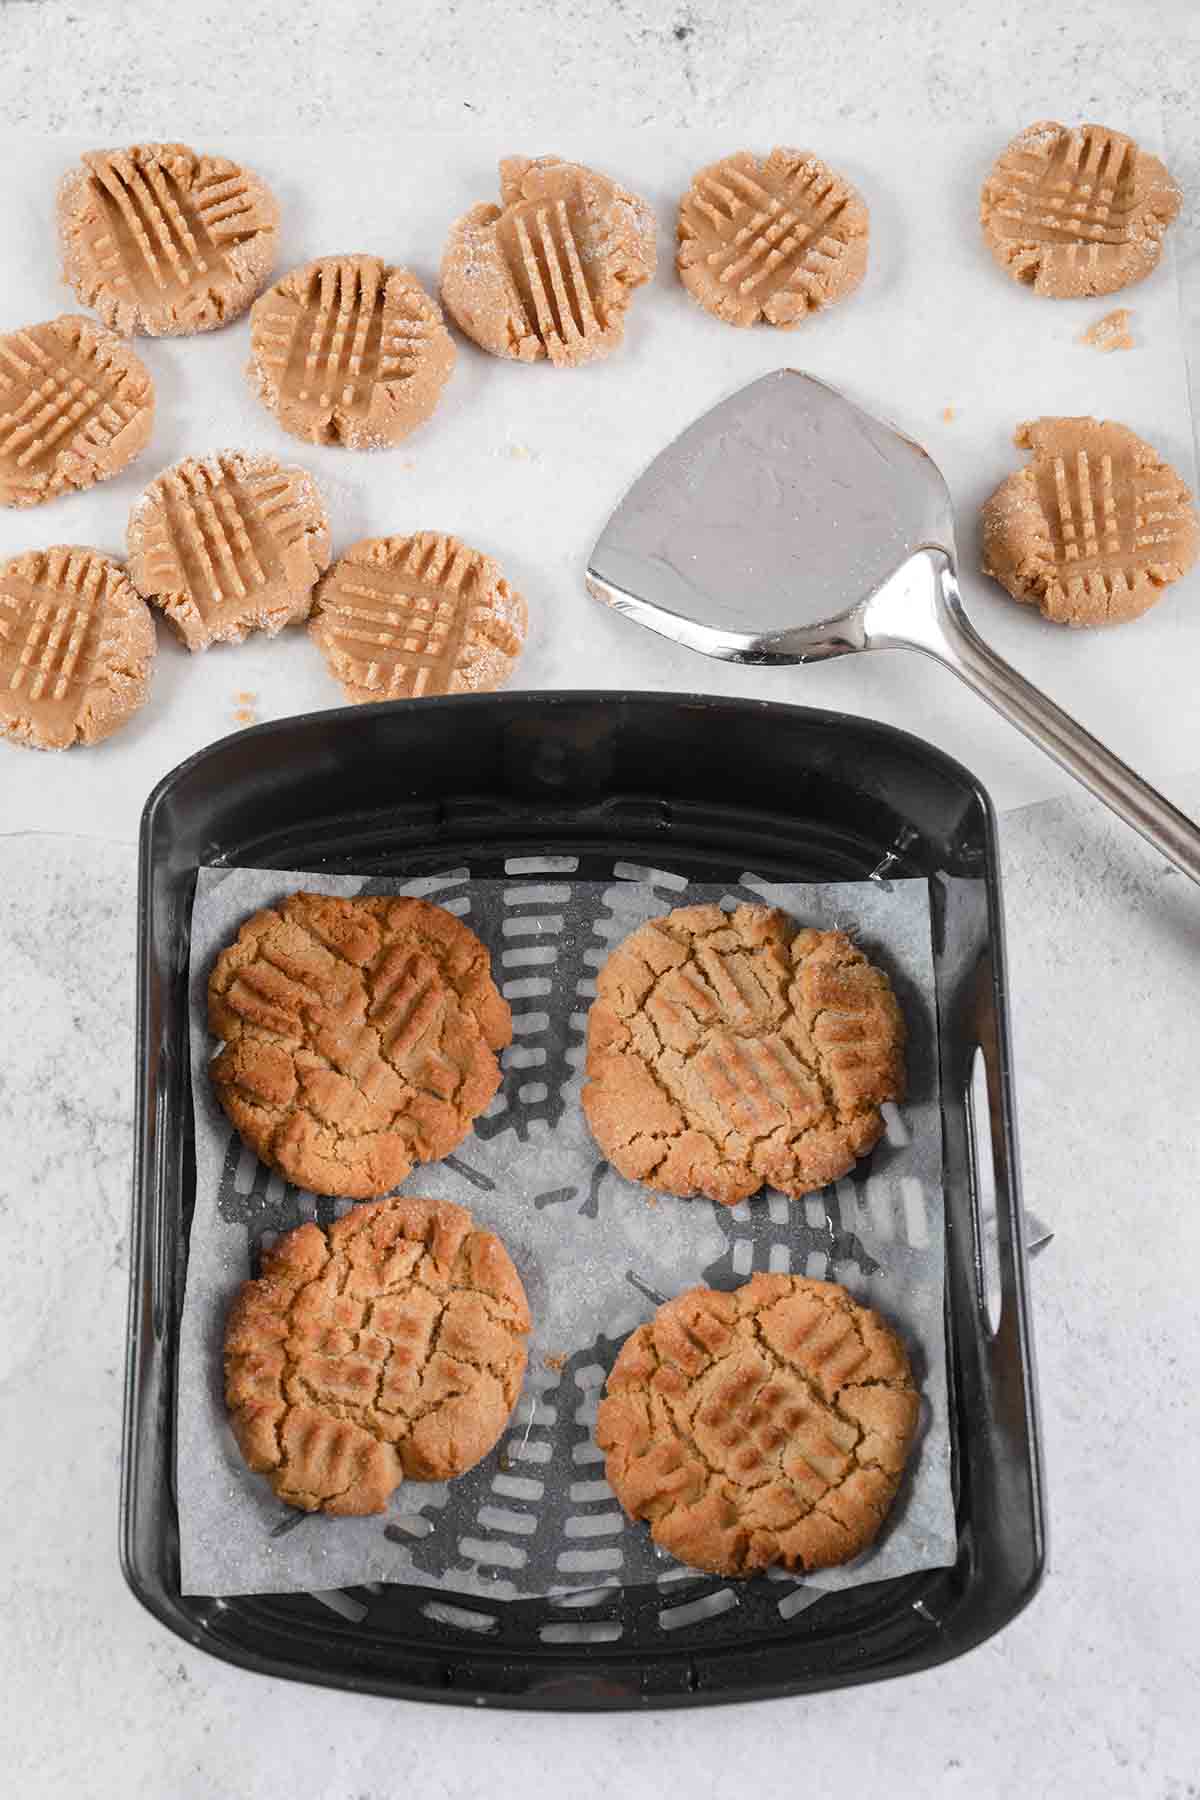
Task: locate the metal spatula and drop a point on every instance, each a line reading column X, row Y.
column 787, row 525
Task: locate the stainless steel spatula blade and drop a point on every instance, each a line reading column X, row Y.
column 788, row 525
column 780, row 508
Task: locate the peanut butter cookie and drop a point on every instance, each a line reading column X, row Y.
column 162, row 240
column 549, row 272
column 726, row 1050
column 76, row 405
column 1076, row 213
column 401, row 617
column 773, row 240
column 229, row 544
column 1095, row 529
column 76, row 646
column 390, row 1346
column 348, row 350
column 359, row 1037
column 768, row 1425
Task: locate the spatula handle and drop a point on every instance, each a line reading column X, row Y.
column 1054, row 731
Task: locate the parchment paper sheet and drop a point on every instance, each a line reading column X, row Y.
column 528, row 462
column 536, row 1517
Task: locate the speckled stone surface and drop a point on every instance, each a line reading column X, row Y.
column 1093, row 1690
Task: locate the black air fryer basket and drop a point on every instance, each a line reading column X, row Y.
column 708, row 789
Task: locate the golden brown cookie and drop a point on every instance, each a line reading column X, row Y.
column 76, row 405
column 359, row 1038
column 162, row 240
column 549, row 272
column 1094, row 529
column 773, row 240
column 726, row 1050
column 1076, row 213
column 229, row 544
column 347, row 350
column 76, row 646
column 401, row 617
column 768, row 1425
column 390, row 1346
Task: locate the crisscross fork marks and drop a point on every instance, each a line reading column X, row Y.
column 1082, row 192
column 764, row 237
column 48, row 394
column 214, row 536
column 157, row 238
column 336, row 336
column 395, row 1343
column 771, row 1424
column 50, row 637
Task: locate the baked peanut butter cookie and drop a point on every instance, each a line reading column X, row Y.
column 401, row 617
column 348, row 350
column 771, row 240
column 726, row 1050
column 1095, row 529
column 767, row 1425
column 76, row 406
column 549, row 273
column 358, row 1037
column 76, row 648
column 162, row 240
column 228, row 544
column 391, row 1345
column 1076, row 213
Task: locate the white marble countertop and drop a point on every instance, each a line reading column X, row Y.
column 1094, row 1687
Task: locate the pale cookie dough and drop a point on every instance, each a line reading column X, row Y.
column 1076, row 213
column 550, row 272
column 729, row 1050
column 76, row 648
column 162, row 240
column 76, row 406
column 767, row 1425
column 228, row 544
column 349, row 350
column 400, row 618
column 770, row 241
column 390, row 1346
column 358, row 1037
column 1095, row 529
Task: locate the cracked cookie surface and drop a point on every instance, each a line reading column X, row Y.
column 767, row 1425
column 726, row 1050
column 391, row 1345
column 359, row 1038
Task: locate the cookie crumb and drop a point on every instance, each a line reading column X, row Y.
column 557, row 1363
column 244, row 698
column 1112, row 332
column 948, row 415
column 519, row 452
column 244, row 716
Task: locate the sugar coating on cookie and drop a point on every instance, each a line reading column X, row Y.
column 729, row 1050
column 76, row 406
column 549, row 273
column 770, row 1425
column 399, row 618
column 1094, row 529
column 391, row 1345
column 1075, row 213
column 349, row 350
column 76, row 648
column 359, row 1037
column 163, row 240
column 771, row 240
column 228, row 544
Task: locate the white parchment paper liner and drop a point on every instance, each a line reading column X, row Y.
column 536, row 1517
